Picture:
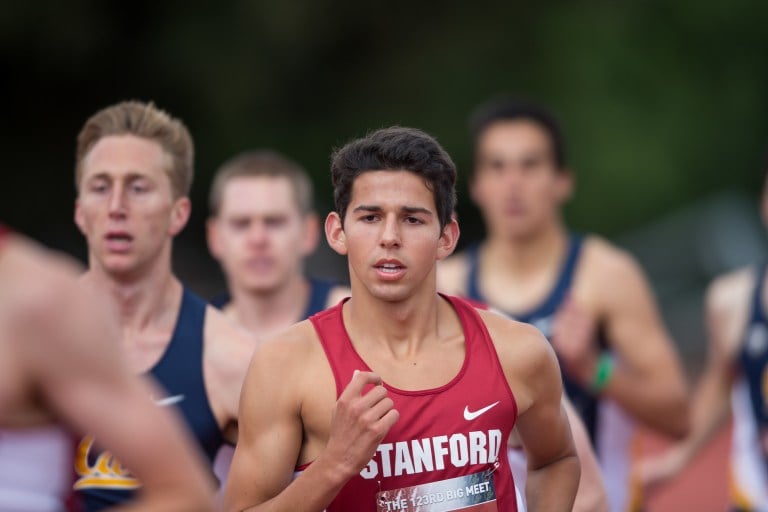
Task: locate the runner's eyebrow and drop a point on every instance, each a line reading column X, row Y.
column 367, row 208
column 404, row 209
column 415, row 209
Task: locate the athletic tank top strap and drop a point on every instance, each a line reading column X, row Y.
column 221, row 300
column 318, row 296
column 334, row 339
column 186, row 388
column 556, row 295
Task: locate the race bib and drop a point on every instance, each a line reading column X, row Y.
column 473, row 493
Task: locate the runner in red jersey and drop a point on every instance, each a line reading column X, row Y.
column 439, row 385
column 457, row 433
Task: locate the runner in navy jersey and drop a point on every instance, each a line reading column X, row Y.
column 399, row 398
column 734, row 384
column 60, row 375
column 133, row 174
column 261, row 228
column 587, row 296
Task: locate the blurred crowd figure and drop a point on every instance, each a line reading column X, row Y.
column 155, row 414
column 60, row 373
column 734, row 385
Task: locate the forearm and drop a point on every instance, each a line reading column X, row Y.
column 553, row 487
column 312, row 491
column 711, row 409
column 591, row 495
column 658, row 402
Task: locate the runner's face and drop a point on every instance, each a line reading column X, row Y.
column 391, row 235
column 125, row 206
column 516, row 183
column 260, row 236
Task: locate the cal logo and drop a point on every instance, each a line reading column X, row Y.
column 105, row 473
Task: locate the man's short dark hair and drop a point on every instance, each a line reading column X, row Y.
column 508, row 109
column 393, row 149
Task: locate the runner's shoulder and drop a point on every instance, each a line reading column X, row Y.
column 38, row 281
column 293, row 349
column 515, row 340
column 606, row 259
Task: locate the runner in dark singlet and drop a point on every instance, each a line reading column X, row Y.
column 133, row 175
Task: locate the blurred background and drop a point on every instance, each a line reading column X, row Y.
column 664, row 105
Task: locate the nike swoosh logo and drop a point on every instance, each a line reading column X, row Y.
column 470, row 415
column 169, row 400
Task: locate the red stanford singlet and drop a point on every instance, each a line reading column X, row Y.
column 448, row 449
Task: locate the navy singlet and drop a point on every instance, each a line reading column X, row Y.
column 180, row 374
column 542, row 316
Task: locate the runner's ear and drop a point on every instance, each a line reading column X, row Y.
column 334, row 233
column 448, row 239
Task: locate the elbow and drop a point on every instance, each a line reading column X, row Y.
column 677, row 419
column 681, row 425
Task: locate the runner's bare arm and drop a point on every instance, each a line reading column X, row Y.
column 727, row 306
column 271, row 436
column 647, row 379
column 228, row 350
column 591, row 495
column 542, row 424
column 72, row 355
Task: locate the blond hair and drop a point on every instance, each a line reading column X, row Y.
column 146, row 121
column 253, row 164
